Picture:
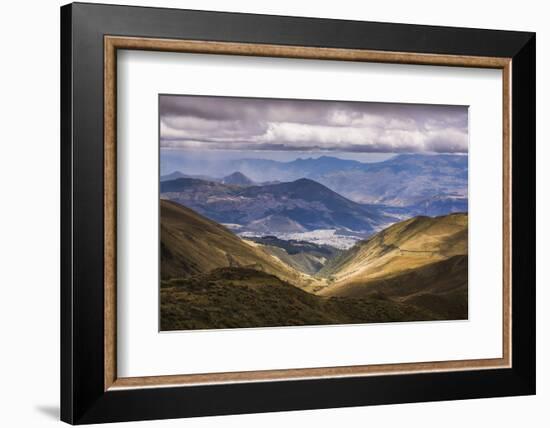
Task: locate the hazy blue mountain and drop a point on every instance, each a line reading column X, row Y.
column 178, row 174
column 237, row 178
column 404, row 180
column 262, row 170
column 193, row 186
column 172, row 176
column 323, row 200
column 441, row 205
column 298, row 206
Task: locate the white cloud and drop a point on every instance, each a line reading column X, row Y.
column 237, row 123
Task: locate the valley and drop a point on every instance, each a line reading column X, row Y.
column 415, row 270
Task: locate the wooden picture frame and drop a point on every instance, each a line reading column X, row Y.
column 91, row 390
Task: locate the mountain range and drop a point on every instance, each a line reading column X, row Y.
column 283, row 208
column 237, row 178
column 405, row 180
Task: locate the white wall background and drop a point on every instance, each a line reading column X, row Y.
column 29, row 214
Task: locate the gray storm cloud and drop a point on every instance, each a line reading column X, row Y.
column 281, row 124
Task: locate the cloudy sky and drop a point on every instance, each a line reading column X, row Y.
column 227, row 123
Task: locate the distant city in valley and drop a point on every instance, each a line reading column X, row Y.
column 339, row 212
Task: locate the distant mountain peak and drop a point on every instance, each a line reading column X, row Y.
column 308, row 181
column 237, row 178
column 327, row 158
column 172, row 176
column 310, row 187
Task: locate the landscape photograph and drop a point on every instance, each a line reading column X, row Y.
column 287, row 212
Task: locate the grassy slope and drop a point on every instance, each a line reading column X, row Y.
column 399, row 248
column 241, row 298
column 191, row 244
column 422, row 261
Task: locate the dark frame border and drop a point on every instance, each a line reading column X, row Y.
column 114, row 43
column 83, row 399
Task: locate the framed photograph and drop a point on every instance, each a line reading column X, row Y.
column 266, row 213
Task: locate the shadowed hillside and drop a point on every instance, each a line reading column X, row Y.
column 441, row 287
column 192, row 244
column 243, row 298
